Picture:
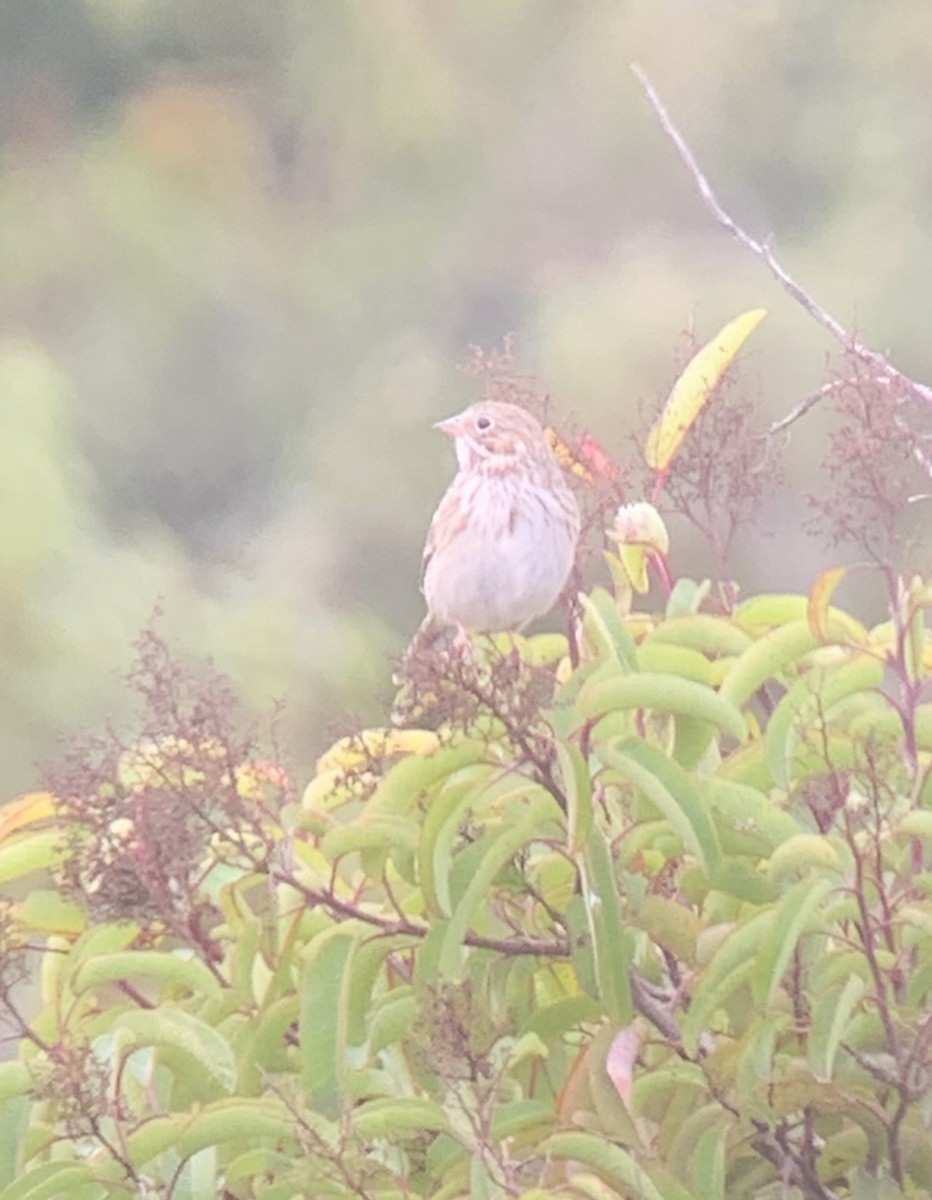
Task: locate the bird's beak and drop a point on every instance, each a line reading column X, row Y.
column 452, row 426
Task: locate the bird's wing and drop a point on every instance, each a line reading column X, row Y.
column 447, row 523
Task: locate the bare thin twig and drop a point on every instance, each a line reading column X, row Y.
column 803, row 407
column 765, row 253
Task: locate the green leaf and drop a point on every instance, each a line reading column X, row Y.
column 255, row 1162
column 672, row 792
column 577, row 787
column 206, row 1050
column 697, row 1151
column 247, row 933
column 746, row 818
column 917, row 823
column 664, row 694
column 411, row 779
column 517, row 1116
column 670, row 925
column 393, row 1117
column 790, row 608
column 584, row 1186
column 499, row 846
column 615, row 1165
column 15, row 1079
column 52, row 1181
column 610, row 948
column 668, row 659
column 368, row 963
column 46, row 911
column 789, row 922
column 735, row 877
column 370, row 831
column 262, row 1046
column 711, row 636
column 31, row 852
column 766, row 659
column 237, row 1119
column 829, row 1021
column 687, row 597
column 757, row 1048
column 15, row 1114
column 105, row 939
column 324, row 1014
column 392, row 1018
column 439, row 831
column 747, row 766
column 552, row 1021
column 197, row 1176
column 730, row 968
column 543, row 649
column 187, row 974
column 443, row 821
column 881, row 721
column 653, row 1089
column 604, row 629
column 692, row 740
column 709, row 1161
column 803, row 853
column 812, row 698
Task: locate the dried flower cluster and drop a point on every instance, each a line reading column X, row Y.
column 726, row 468
column 485, row 689
column 148, row 819
column 873, row 465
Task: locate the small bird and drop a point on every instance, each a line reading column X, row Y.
column 502, row 542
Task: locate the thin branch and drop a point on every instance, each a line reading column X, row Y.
column 764, row 252
column 649, row 1005
column 803, row 407
column 655, row 1010
column 546, row 947
column 775, row 1147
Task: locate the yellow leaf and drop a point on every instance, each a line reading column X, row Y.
column 372, row 745
column 563, row 453
column 817, row 608
column 29, row 809
column 255, row 779
column 695, row 386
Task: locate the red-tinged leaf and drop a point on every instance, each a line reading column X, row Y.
column 622, row 1055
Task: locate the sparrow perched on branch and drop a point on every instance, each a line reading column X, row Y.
column 502, row 542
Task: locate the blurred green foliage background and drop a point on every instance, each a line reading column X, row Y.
column 245, row 243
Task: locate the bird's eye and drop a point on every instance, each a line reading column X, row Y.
column 483, row 423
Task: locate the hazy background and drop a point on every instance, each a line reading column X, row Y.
column 245, row 243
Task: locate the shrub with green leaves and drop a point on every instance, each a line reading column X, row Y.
column 643, row 911
column 654, row 925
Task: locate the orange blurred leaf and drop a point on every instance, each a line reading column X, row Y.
column 29, row 809
column 587, row 459
column 565, row 456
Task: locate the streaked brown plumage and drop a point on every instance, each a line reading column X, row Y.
column 503, row 539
